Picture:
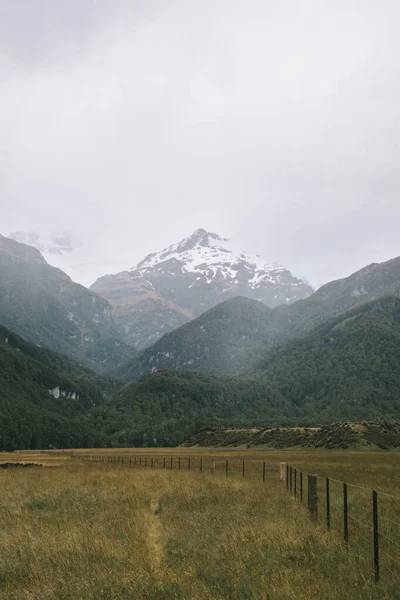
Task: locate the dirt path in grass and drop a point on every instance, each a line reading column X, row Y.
column 155, row 540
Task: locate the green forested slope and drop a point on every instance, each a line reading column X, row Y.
column 167, row 407
column 347, row 368
column 30, row 417
column 42, row 304
column 221, row 340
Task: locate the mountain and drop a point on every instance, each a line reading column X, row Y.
column 57, row 243
column 171, row 287
column 221, row 340
column 334, row 298
column 45, row 397
column 233, row 334
column 346, row 368
column 42, row 304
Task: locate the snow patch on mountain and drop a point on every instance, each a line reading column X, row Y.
column 211, row 256
column 57, row 242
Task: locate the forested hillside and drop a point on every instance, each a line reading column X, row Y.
column 222, row 340
column 42, row 304
column 347, row 368
column 169, row 406
column 31, row 416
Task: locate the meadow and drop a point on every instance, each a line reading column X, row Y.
column 80, row 529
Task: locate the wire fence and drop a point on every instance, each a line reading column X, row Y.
column 249, row 469
column 367, row 520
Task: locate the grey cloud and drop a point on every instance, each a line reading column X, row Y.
column 134, row 123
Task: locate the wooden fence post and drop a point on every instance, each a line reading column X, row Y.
column 243, row 469
column 227, row 467
column 328, row 505
column 295, row 483
column 264, row 472
column 212, row 465
column 345, row 514
column 282, row 472
column 290, row 479
column 313, row 496
column 301, row 486
column 376, row 534
column 201, row 465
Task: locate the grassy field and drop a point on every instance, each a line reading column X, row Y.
column 83, row 530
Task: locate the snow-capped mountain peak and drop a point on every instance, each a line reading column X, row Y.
column 170, row 287
column 211, row 256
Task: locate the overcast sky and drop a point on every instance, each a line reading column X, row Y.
column 133, row 122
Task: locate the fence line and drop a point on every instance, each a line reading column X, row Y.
column 362, row 517
column 359, row 513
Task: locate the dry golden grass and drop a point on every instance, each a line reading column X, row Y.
column 92, row 531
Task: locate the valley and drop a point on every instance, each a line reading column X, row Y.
column 331, row 357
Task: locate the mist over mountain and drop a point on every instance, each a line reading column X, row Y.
column 328, row 356
column 42, row 304
column 173, row 286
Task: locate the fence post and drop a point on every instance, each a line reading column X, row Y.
column 179, row 463
column 212, row 465
column 201, row 465
column 188, row 463
column 301, row 486
column 313, row 496
column 282, row 471
column 243, row 469
column 295, row 483
column 291, row 479
column 345, row 514
column 287, row 477
column 152, row 462
column 264, row 471
column 172, row 458
column 226, row 467
column 376, row 534
column 328, row 505
column 164, row 463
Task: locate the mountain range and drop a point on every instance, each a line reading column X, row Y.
column 171, row 287
column 328, row 355
column 232, row 335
